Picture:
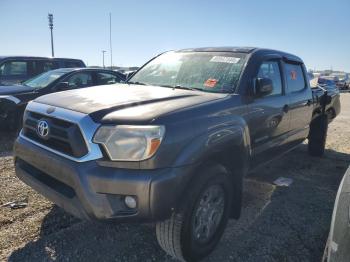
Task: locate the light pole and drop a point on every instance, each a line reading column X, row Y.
column 110, row 38
column 50, row 17
column 103, row 58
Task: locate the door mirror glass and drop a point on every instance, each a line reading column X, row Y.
column 63, row 86
column 263, row 86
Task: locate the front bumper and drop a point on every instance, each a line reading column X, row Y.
column 90, row 191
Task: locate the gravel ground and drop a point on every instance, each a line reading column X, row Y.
column 277, row 223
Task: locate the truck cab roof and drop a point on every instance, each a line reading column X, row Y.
column 247, row 50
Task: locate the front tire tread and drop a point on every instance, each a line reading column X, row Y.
column 169, row 235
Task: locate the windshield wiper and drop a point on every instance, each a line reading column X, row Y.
column 169, row 86
column 188, row 88
column 183, row 87
column 136, row 83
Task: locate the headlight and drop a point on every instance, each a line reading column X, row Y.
column 130, row 143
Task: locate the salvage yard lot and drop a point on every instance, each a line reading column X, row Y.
column 277, row 223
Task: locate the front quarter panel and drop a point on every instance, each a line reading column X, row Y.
column 195, row 134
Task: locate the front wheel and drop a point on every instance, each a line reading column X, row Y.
column 194, row 230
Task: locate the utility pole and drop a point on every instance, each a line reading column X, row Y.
column 110, row 38
column 103, row 58
column 50, row 17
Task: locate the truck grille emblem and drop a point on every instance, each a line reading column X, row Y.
column 43, row 129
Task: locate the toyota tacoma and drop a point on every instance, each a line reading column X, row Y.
column 172, row 145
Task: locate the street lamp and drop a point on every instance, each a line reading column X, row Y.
column 50, row 17
column 103, row 58
column 110, row 39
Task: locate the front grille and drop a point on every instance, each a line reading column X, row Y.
column 64, row 137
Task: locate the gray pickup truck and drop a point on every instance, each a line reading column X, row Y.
column 173, row 143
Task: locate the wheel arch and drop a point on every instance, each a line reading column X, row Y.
column 232, row 153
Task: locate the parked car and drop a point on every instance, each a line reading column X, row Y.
column 347, row 81
column 173, row 144
column 324, row 84
column 343, row 82
column 15, row 69
column 337, row 248
column 13, row 99
column 339, row 81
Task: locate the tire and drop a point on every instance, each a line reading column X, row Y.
column 318, row 135
column 183, row 236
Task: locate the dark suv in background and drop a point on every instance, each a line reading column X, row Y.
column 15, row 69
column 14, row 98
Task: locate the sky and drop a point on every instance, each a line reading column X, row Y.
column 318, row 31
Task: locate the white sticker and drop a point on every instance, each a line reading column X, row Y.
column 225, row 59
column 283, row 181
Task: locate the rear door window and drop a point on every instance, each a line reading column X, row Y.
column 14, row 68
column 295, row 77
column 80, row 80
column 42, row 66
column 106, row 78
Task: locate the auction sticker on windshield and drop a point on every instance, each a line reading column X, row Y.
column 210, row 82
column 225, row 59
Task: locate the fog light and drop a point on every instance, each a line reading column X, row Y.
column 130, row 202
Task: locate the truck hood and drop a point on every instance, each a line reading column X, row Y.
column 127, row 103
column 15, row 89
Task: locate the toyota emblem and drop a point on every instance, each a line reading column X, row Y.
column 43, row 129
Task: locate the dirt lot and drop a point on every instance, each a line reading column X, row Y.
column 277, row 223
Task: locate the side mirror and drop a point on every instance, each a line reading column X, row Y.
column 62, row 86
column 263, row 86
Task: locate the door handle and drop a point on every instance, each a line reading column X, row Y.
column 285, row 108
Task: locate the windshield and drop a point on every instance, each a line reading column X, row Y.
column 44, row 79
column 207, row 71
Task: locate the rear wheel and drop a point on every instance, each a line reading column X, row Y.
column 318, row 135
column 194, row 230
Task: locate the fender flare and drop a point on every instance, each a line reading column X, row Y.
column 202, row 150
column 214, row 141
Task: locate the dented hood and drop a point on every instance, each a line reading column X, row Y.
column 127, row 103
